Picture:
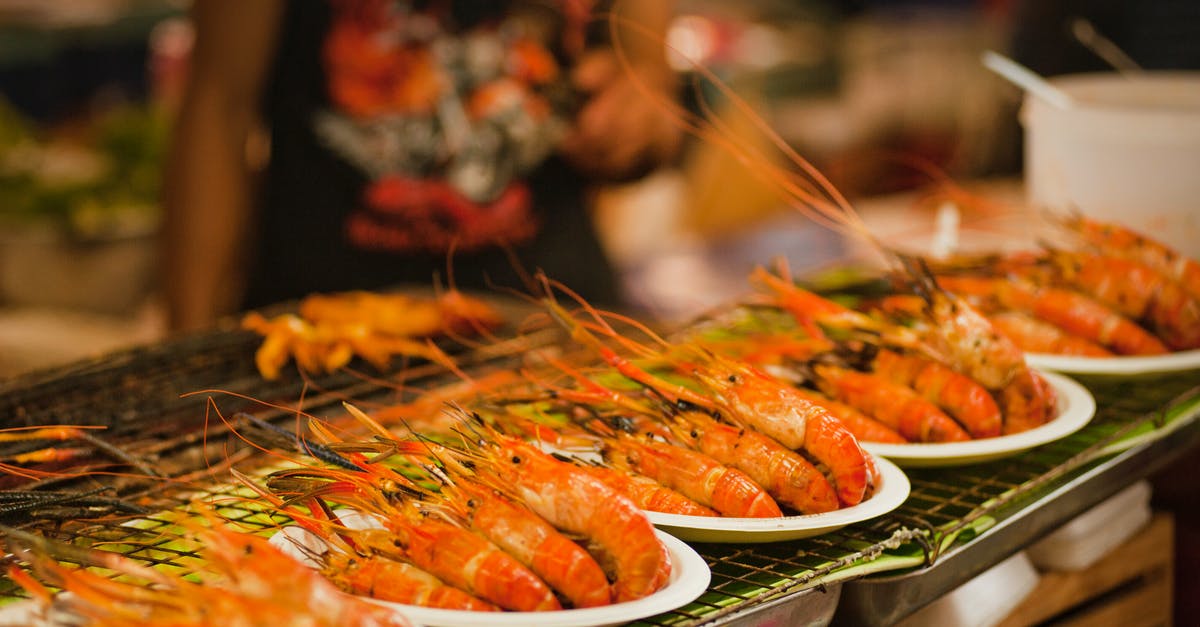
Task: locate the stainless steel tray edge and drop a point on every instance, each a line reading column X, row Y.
column 884, row 600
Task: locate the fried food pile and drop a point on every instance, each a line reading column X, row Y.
column 331, row 329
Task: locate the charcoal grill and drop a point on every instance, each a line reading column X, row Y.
column 956, row 523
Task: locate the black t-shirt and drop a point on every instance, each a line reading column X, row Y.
column 402, row 131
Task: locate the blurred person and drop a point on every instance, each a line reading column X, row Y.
column 403, row 135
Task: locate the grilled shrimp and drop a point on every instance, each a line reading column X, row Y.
column 1135, row 290
column 965, row 400
column 896, row 406
column 1071, row 311
column 745, row 396
column 559, row 561
column 572, row 500
column 398, row 582
column 248, row 582
column 788, row 477
column 1038, row 336
column 864, row 427
column 697, row 476
column 647, row 493
column 455, row 555
column 974, row 347
column 1118, row 241
column 618, row 534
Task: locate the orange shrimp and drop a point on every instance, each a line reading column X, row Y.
column 696, row 475
column 1135, row 290
column 247, row 582
column 559, row 561
column 960, row 396
column 975, row 348
column 572, row 500
column 361, row 561
column 454, row 555
column 1027, row 402
column 647, row 493
column 789, row 478
column 1038, row 336
column 786, row 476
column 1068, row 310
column 398, row 582
column 896, row 406
column 1118, row 241
column 466, row 560
column 749, row 397
column 864, row 427
column 808, row 308
column 565, row 495
column 773, row 408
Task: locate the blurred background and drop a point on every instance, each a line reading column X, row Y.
column 88, row 89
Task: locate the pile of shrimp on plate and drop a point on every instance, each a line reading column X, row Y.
column 923, row 366
column 1111, row 293
column 243, row 581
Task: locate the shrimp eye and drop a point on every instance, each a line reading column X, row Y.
column 516, row 460
column 695, row 434
column 470, row 502
column 733, row 378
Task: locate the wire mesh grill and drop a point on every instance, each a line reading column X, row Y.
column 140, row 395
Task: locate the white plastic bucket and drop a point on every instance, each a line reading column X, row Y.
column 1128, row 151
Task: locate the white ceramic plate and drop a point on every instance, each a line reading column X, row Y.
column 1075, row 409
column 1185, row 360
column 689, row 579
column 887, row 497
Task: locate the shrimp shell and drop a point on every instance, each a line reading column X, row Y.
column 698, row 476
column 786, row 475
column 773, row 408
column 1038, row 336
column 398, row 582
column 468, row 561
column 561, row 563
column 864, row 427
column 1068, row 310
column 1118, row 241
column 896, row 406
column 649, row 494
column 1138, row 291
column 575, row 502
column 965, row 400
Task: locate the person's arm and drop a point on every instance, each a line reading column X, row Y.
column 207, row 185
column 620, row 131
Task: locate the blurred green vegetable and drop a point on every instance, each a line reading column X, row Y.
column 105, row 186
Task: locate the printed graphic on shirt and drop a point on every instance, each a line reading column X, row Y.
column 443, row 124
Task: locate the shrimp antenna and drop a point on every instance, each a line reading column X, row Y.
column 283, row 438
column 579, row 330
column 922, row 277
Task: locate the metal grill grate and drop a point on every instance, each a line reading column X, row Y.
column 138, row 394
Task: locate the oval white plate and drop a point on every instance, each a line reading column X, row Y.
column 1184, row 360
column 887, row 497
column 689, row 579
column 1075, row 409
